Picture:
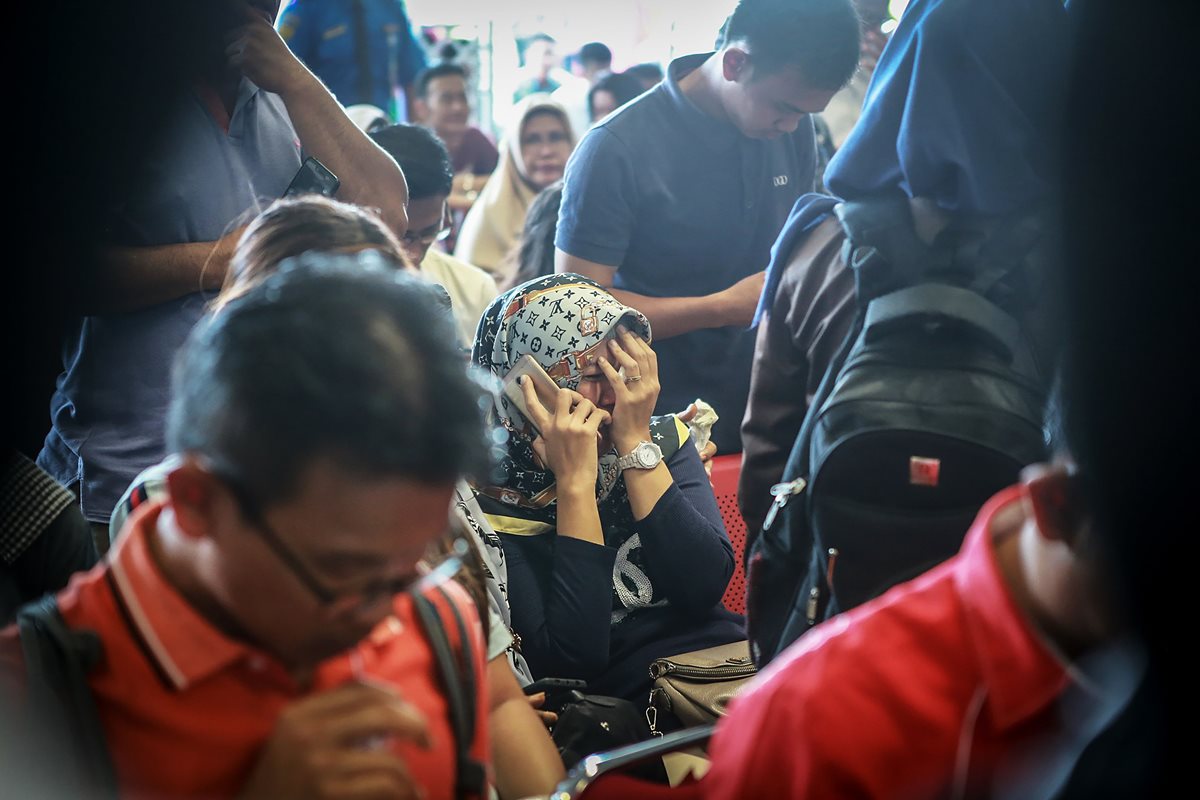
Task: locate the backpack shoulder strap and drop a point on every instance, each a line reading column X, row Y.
column 57, row 660
column 458, row 681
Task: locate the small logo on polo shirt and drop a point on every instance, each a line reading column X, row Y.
column 781, row 180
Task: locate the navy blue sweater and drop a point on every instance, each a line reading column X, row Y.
column 561, row 588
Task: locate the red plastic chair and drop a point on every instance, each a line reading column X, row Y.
column 725, row 473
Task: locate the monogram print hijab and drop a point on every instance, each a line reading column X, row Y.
column 563, row 321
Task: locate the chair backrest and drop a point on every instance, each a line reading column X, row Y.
column 725, row 473
column 601, row 776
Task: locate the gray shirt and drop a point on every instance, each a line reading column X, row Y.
column 108, row 411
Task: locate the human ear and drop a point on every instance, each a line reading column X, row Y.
column 1051, row 500
column 194, row 496
column 734, row 63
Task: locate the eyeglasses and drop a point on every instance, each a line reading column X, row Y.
column 434, row 233
column 364, row 595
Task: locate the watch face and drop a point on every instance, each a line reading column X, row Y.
column 648, row 455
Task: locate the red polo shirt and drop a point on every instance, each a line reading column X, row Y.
column 186, row 710
column 928, row 691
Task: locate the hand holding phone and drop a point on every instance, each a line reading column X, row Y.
column 558, row 691
column 566, row 424
column 313, row 177
column 543, row 385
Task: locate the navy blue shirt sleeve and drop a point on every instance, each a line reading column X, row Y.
column 685, row 548
column 412, row 59
column 561, row 600
column 599, row 203
column 298, row 29
column 560, row 588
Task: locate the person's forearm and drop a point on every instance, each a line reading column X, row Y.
column 645, row 486
column 562, row 611
column 526, row 761
column 669, row 316
column 685, row 550
column 131, row 278
column 578, row 515
column 369, row 177
column 673, row 316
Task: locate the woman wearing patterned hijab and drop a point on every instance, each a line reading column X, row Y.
column 616, row 550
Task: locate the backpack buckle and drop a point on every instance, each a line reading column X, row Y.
column 783, row 493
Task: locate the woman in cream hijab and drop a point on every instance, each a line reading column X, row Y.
column 533, row 156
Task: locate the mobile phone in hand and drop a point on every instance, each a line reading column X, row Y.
column 543, row 385
column 558, row 691
column 550, row 684
column 313, row 177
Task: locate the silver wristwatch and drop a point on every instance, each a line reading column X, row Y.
column 647, row 455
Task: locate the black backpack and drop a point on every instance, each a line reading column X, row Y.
column 68, row 756
column 72, row 758
column 932, row 405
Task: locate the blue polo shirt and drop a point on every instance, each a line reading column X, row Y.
column 322, row 34
column 109, row 407
column 684, row 205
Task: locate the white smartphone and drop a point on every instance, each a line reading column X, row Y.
column 543, row 385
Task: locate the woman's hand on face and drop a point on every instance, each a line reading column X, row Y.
column 568, row 444
column 636, row 394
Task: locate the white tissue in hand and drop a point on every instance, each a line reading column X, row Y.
column 701, row 424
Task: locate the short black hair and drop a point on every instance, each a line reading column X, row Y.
column 648, row 72
column 622, row 87
column 523, row 47
column 336, row 356
column 442, row 69
column 422, row 157
column 820, row 37
column 595, row 53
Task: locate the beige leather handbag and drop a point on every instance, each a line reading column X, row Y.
column 696, row 687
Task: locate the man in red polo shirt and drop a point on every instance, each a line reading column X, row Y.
column 946, row 686
column 256, row 637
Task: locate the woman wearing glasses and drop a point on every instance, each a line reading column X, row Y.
column 533, row 156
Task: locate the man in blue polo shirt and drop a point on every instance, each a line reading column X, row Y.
column 231, row 146
column 675, row 200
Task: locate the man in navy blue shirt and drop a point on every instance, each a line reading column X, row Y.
column 674, row 201
column 364, row 50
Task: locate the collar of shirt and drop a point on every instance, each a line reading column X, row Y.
column 183, row 645
column 1022, row 673
column 717, row 135
column 210, row 99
